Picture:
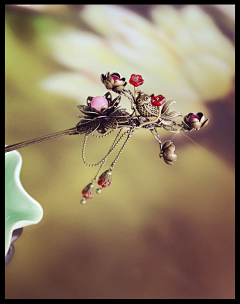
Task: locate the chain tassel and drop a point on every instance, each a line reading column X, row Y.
column 106, row 177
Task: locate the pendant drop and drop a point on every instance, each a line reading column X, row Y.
column 88, row 192
column 105, row 179
column 83, row 201
column 99, row 190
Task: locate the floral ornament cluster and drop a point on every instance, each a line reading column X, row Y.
column 103, row 115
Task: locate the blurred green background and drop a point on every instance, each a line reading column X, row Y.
column 159, row 231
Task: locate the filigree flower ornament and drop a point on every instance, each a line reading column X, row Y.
column 20, row 208
column 101, row 114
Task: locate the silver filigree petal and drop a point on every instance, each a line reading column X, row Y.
column 171, row 115
column 88, row 127
column 110, row 123
column 205, row 123
column 166, row 106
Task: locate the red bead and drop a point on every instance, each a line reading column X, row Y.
column 88, row 191
column 105, row 179
column 136, row 80
column 157, row 100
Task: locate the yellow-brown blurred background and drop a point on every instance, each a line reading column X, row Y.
column 158, row 231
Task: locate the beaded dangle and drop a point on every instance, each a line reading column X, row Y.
column 104, row 115
column 105, row 179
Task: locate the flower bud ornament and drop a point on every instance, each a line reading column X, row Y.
column 194, row 121
column 88, row 192
column 105, row 179
column 168, row 152
column 113, row 82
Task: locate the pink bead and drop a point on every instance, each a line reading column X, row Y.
column 99, row 102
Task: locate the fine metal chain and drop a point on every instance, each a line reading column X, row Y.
column 101, row 136
column 130, row 132
column 83, row 152
column 99, row 170
column 114, row 145
column 117, row 157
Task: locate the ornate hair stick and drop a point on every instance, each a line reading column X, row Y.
column 103, row 115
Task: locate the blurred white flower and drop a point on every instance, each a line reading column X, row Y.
column 207, row 56
column 181, row 54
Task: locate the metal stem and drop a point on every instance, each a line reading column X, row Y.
column 157, row 136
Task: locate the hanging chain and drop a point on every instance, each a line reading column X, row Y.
column 130, row 132
column 102, row 162
column 101, row 136
column 114, row 145
column 104, row 158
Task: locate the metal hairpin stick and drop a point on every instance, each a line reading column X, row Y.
column 40, row 139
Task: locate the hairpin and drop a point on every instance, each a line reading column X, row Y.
column 103, row 115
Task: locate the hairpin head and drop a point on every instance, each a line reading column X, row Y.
column 103, row 114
